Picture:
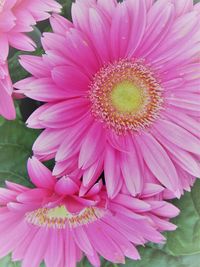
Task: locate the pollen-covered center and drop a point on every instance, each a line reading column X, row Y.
column 126, row 96
column 59, row 217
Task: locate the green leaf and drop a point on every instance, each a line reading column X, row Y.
column 156, row 258
column 151, row 257
column 186, row 239
column 15, row 147
column 195, row 194
column 2, row 120
column 6, row 262
column 66, row 8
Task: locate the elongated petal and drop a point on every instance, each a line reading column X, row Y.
column 112, row 171
column 92, row 147
column 159, row 162
column 178, row 136
column 40, row 175
column 131, row 170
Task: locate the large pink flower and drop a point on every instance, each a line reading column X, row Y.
column 122, row 90
column 58, row 222
column 16, row 18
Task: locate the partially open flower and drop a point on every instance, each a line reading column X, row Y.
column 58, row 221
column 16, row 18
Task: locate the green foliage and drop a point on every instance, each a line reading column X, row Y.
column 156, row 258
column 15, row 147
column 7, row 262
column 66, row 8
column 186, row 239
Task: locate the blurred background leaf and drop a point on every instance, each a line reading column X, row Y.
column 156, row 258
column 15, row 147
column 186, row 239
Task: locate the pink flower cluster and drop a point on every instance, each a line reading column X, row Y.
column 57, row 221
column 16, row 18
column 120, row 86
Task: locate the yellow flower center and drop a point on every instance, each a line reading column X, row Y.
column 126, row 96
column 58, row 212
column 59, row 217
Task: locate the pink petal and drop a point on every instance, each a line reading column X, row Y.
column 164, row 209
column 132, row 170
column 7, row 108
column 55, row 244
column 48, row 142
column 16, row 187
column 99, row 33
column 74, row 109
column 34, row 195
column 120, row 31
column 104, row 244
column 181, row 157
column 82, row 240
column 21, row 42
column 35, row 65
column 137, row 10
column 60, row 24
column 66, row 186
column 92, row 146
column 127, row 248
column 70, row 78
column 151, row 190
column 39, row 174
column 183, row 6
column 38, row 244
column 72, row 142
column 70, row 249
column 178, row 136
column 4, row 46
column 132, row 203
column 92, row 174
column 112, row 171
column 107, row 6
column 159, row 21
column 159, row 162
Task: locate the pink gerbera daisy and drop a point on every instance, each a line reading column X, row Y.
column 57, row 222
column 122, row 89
column 17, row 17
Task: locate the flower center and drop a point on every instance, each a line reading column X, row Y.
column 59, row 217
column 126, row 96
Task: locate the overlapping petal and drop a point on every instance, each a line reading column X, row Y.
column 164, row 36
column 60, row 225
column 16, row 18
